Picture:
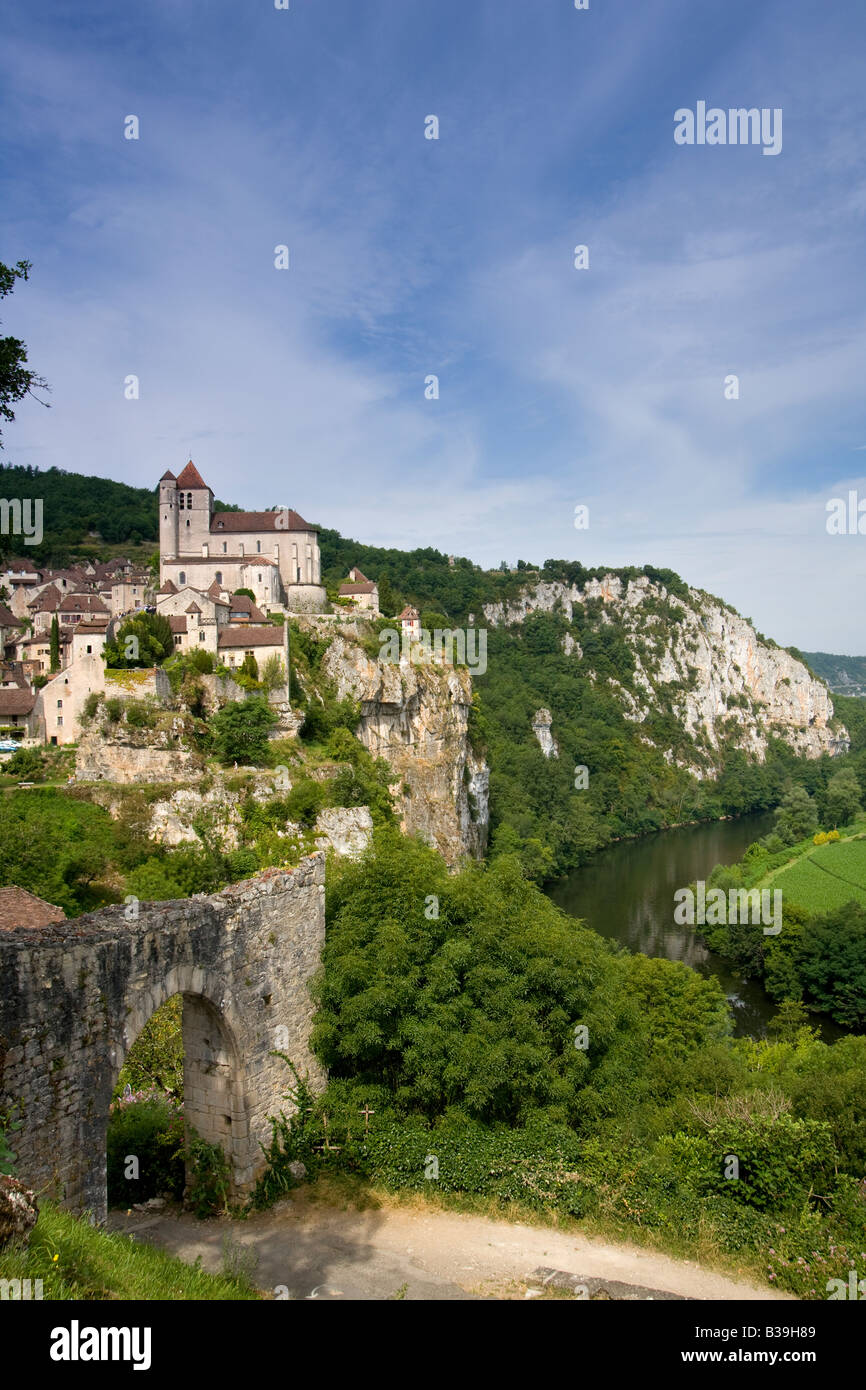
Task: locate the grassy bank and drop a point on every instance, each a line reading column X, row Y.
column 77, row 1261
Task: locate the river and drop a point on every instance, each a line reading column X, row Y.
column 626, row 893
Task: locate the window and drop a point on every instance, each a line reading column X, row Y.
column 59, row 721
column 201, row 636
column 89, row 650
column 177, row 639
column 258, row 579
column 259, row 547
column 60, row 704
column 181, row 577
column 180, row 503
column 219, row 576
column 224, row 547
column 189, row 501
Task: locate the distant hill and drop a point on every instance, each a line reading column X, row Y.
column 845, row 675
column 79, row 511
column 82, row 514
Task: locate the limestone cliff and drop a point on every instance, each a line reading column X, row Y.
column 697, row 658
column 416, row 716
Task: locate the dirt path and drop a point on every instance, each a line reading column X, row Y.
column 306, row 1250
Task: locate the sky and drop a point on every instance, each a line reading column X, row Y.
column 606, row 387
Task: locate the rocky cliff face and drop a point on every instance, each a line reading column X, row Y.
column 696, row 658
column 417, row 718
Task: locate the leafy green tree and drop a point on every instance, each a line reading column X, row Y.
column 245, row 593
column 461, row 991
column 842, row 802
column 55, row 847
column 832, row 963
column 16, row 379
column 143, row 640
column 796, row 815
column 250, row 667
column 273, row 675
column 240, row 730
column 55, row 644
column 155, row 1060
column 389, row 602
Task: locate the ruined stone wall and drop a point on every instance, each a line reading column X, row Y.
column 75, row 995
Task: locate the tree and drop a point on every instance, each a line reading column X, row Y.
column 273, row 675
column 245, row 593
column 241, row 730
column 16, row 379
column 250, row 667
column 842, row 801
column 55, row 644
column 831, row 955
column 144, row 640
column 389, row 603
column 796, row 815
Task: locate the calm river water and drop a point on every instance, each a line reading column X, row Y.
column 627, row 893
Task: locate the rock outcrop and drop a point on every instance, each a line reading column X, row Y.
column 416, row 716
column 696, row 658
column 18, row 1211
column 541, row 727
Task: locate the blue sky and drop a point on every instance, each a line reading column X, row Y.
column 454, row 257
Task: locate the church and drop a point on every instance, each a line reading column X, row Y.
column 274, row 554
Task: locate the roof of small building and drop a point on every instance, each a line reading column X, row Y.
column 243, row 604
column 366, row 588
column 7, row 617
column 260, row 521
column 18, row 908
column 177, row 624
column 168, row 477
column 14, row 700
column 168, row 588
column 47, row 602
column 91, row 626
column 193, row 608
column 190, row 477
column 245, row 635
column 83, row 603
column 408, row 612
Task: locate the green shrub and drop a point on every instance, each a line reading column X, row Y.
column 149, row 1129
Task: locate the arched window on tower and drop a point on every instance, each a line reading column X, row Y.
column 189, row 501
column 180, row 502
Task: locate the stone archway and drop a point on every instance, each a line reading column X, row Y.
column 76, row 994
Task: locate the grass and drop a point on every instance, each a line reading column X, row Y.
column 825, row 876
column 77, row 1261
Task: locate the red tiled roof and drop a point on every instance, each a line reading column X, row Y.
column 243, row 522
column 408, row 612
column 168, row 477
column 190, row 477
column 7, row 617
column 177, row 624
column 243, row 635
column 366, row 588
column 18, row 908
